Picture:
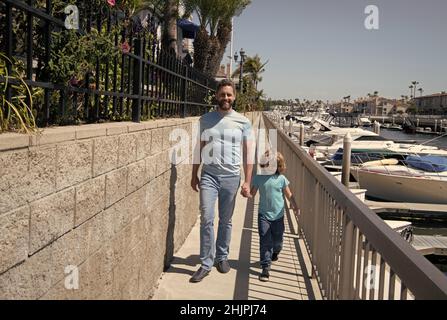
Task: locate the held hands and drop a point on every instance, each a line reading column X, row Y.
column 245, row 190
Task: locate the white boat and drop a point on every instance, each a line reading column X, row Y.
column 395, row 127
column 365, row 122
column 391, row 181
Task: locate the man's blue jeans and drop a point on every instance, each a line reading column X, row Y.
column 270, row 238
column 225, row 190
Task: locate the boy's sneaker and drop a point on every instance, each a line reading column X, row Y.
column 275, row 256
column 264, row 276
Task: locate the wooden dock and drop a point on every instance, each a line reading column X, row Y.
column 430, row 245
column 415, row 210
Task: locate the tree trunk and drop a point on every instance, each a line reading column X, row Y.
column 209, row 51
column 217, row 50
column 201, row 49
column 170, row 27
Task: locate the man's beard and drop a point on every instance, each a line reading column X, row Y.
column 224, row 105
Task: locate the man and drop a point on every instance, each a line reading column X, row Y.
column 222, row 133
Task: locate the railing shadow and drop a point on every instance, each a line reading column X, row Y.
column 299, row 253
column 243, row 263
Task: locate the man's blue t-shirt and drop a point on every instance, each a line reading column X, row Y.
column 271, row 190
column 224, row 134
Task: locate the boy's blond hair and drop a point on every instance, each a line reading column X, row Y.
column 280, row 162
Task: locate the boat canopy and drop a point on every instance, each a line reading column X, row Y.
column 428, row 163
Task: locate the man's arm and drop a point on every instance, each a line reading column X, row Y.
column 195, row 169
column 248, row 160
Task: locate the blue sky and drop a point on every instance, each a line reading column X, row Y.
column 320, row 49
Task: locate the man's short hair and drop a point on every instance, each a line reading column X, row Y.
column 225, row 83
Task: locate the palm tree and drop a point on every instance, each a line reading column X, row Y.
column 411, row 91
column 215, row 30
column 169, row 41
column 252, row 67
column 414, row 83
column 421, row 91
column 168, row 12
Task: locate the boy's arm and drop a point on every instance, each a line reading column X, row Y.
column 291, row 198
column 253, row 191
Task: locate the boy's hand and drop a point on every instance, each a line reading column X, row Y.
column 245, row 190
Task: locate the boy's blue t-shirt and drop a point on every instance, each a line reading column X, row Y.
column 271, row 190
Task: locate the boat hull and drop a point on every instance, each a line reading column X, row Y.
column 402, row 188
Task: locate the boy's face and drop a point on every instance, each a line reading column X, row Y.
column 225, row 98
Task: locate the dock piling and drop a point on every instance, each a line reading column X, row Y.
column 301, row 134
column 377, row 127
column 346, row 168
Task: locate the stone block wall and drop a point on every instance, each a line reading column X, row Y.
column 103, row 198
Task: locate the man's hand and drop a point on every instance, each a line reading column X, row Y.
column 245, row 190
column 195, row 183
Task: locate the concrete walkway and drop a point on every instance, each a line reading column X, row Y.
column 288, row 279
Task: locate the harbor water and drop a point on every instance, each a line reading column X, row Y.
column 428, row 139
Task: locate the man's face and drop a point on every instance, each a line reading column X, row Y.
column 225, row 98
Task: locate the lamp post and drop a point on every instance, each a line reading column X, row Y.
column 241, row 69
column 413, row 86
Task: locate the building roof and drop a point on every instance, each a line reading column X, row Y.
column 442, row 94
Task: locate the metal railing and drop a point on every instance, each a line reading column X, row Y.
column 354, row 254
column 140, row 83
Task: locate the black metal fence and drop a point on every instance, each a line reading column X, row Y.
column 112, row 67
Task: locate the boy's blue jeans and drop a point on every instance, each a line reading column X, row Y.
column 225, row 190
column 270, row 238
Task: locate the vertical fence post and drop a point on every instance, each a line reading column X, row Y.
column 185, row 90
column 29, row 43
column 346, row 263
column 9, row 50
column 137, row 76
column 47, row 59
column 346, row 159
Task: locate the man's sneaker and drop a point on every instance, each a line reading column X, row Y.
column 223, row 266
column 199, row 275
column 275, row 256
column 264, row 276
